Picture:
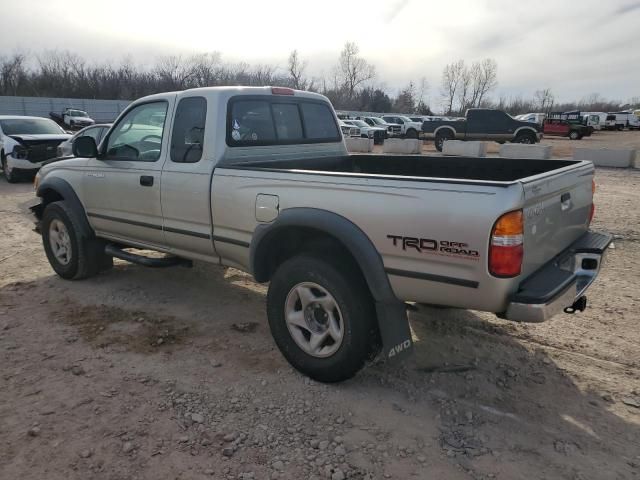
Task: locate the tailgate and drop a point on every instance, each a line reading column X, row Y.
column 557, row 207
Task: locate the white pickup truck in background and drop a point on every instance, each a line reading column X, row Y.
column 259, row 179
column 72, row 118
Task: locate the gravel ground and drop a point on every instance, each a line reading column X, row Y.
column 147, row 374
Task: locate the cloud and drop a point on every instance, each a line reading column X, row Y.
column 628, row 8
column 395, row 10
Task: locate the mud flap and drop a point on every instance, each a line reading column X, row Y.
column 394, row 330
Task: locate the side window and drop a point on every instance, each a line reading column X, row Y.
column 138, row 135
column 319, row 122
column 251, row 122
column 93, row 133
column 286, row 118
column 187, row 137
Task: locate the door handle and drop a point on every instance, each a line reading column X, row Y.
column 146, row 181
column 565, row 201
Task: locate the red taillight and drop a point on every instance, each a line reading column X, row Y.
column 506, row 248
column 282, row 91
column 593, row 207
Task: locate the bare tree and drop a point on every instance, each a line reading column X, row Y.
column 544, row 99
column 451, row 77
column 353, row 70
column 465, row 87
column 484, row 77
column 13, row 73
column 296, row 68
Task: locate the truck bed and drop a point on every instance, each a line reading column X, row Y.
column 456, row 168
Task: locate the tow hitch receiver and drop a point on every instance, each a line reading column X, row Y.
column 578, row 306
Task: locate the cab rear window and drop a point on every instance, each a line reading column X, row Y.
column 259, row 121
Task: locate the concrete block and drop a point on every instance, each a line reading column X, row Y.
column 402, row 145
column 606, row 157
column 465, row 149
column 355, row 144
column 521, row 150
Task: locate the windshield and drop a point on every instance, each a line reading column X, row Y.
column 359, row 123
column 377, row 121
column 30, row 126
column 77, row 113
column 406, row 119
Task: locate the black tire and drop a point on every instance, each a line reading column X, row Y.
column 412, row 133
column 12, row 177
column 442, row 137
column 574, row 135
column 360, row 338
column 526, row 138
column 87, row 256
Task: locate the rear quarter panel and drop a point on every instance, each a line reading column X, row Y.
column 431, row 211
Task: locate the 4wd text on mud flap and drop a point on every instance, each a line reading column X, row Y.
column 427, row 245
column 399, row 348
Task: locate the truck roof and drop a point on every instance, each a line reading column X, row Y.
column 228, row 92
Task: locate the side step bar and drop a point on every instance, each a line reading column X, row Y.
column 162, row 262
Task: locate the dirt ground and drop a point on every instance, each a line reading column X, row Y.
column 172, row 374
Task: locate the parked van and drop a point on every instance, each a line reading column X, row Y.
column 626, row 119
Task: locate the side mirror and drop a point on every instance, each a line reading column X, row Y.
column 85, row 147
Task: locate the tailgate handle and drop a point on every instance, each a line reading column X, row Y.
column 565, row 200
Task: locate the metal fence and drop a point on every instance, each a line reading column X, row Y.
column 102, row 111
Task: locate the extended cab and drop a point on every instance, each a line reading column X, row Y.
column 259, row 179
column 482, row 124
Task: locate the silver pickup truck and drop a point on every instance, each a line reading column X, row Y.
column 259, row 179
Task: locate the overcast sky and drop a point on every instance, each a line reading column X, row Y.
column 574, row 47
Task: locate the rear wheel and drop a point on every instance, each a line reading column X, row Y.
column 442, row 137
column 574, row 135
column 412, row 133
column 70, row 253
column 526, row 138
column 322, row 317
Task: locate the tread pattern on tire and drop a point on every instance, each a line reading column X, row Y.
column 88, row 257
column 356, row 305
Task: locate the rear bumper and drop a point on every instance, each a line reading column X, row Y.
column 559, row 283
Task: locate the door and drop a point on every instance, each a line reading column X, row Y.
column 186, row 180
column 122, row 185
column 489, row 124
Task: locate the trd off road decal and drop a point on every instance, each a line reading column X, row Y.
column 435, row 247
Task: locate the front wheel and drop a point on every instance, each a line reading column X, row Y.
column 9, row 173
column 441, row 138
column 322, row 317
column 412, row 133
column 573, row 135
column 70, row 253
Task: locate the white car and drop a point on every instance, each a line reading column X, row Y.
column 65, row 149
column 410, row 129
column 377, row 133
column 28, row 142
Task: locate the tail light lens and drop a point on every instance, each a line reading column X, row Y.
column 592, row 212
column 282, row 91
column 506, row 249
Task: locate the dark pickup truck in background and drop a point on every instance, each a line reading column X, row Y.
column 482, row 124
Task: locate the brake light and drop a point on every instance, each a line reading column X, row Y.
column 282, row 91
column 507, row 245
column 592, row 212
